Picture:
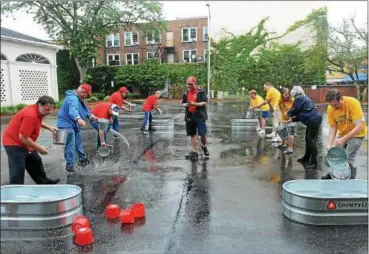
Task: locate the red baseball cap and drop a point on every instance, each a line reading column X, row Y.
column 87, row 88
column 123, row 89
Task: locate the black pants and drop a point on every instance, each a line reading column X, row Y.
column 311, row 137
column 20, row 159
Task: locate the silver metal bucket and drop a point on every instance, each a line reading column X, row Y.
column 103, row 124
column 39, row 207
column 258, row 113
column 326, row 202
column 103, row 151
column 282, row 132
column 60, row 137
column 291, row 128
column 337, row 160
column 132, row 107
column 254, row 114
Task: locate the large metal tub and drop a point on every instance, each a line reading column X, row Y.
column 163, row 123
column 326, row 202
column 39, row 207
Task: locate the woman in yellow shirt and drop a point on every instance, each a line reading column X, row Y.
column 285, row 104
column 256, row 100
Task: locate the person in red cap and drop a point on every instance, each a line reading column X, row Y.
column 118, row 98
column 150, row 104
column 72, row 116
column 195, row 101
column 19, row 141
column 104, row 110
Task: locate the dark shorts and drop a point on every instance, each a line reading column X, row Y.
column 193, row 128
column 265, row 114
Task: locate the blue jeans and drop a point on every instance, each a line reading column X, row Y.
column 148, row 116
column 73, row 143
column 116, row 123
column 96, row 127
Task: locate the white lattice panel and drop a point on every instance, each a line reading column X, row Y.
column 4, row 86
column 33, row 83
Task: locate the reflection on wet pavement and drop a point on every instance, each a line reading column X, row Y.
column 229, row 203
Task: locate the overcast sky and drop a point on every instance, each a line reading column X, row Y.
column 236, row 17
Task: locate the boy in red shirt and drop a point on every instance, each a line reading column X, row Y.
column 118, row 98
column 149, row 105
column 19, row 141
column 104, row 110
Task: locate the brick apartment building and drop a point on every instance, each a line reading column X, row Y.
column 185, row 41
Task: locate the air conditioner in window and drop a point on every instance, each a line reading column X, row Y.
column 193, row 39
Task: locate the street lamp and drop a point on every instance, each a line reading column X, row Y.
column 208, row 59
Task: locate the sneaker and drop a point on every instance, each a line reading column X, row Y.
column 258, row 129
column 115, row 137
column 312, row 166
column 205, row 150
column 152, row 129
column 281, row 147
column 271, row 135
column 326, row 177
column 144, row 129
column 192, row 155
column 84, row 162
column 287, row 151
column 70, row 168
column 303, row 160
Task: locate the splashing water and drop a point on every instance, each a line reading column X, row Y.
column 122, row 138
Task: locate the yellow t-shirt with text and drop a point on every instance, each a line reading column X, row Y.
column 285, row 106
column 257, row 101
column 345, row 118
column 273, row 96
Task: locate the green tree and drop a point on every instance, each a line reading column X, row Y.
column 81, row 26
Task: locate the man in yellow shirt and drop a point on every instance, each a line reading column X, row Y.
column 285, row 105
column 255, row 100
column 346, row 117
column 273, row 97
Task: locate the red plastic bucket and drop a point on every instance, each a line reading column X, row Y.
column 84, row 236
column 80, row 222
column 112, row 211
column 126, row 216
column 138, row 210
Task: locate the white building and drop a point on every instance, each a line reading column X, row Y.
column 28, row 68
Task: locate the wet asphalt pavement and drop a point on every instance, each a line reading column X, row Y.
column 231, row 203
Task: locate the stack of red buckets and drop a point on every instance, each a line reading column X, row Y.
column 81, row 224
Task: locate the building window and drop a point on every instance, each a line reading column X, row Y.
column 205, row 33
column 32, row 58
column 131, row 38
column 132, row 58
column 189, row 56
column 151, row 55
column 153, row 38
column 205, row 54
column 112, row 40
column 113, row 59
column 189, row 34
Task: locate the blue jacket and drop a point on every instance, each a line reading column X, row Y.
column 303, row 110
column 72, row 108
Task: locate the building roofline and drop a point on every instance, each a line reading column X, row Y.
column 48, row 45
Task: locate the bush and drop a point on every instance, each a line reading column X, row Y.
column 20, row 106
column 134, row 96
column 99, row 96
column 58, row 104
column 106, row 98
column 9, row 110
column 92, row 99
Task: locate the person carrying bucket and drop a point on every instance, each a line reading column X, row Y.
column 273, row 97
column 256, row 100
column 104, row 111
column 303, row 110
column 118, row 98
column 150, row 104
column 19, row 141
column 72, row 116
column 345, row 116
column 285, row 105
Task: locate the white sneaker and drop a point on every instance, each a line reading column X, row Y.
column 271, row 135
column 258, row 129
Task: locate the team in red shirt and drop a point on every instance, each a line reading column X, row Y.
column 149, row 105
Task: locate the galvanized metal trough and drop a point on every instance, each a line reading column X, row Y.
column 326, row 202
column 245, row 122
column 163, row 123
column 39, row 207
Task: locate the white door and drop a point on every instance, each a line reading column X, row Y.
column 170, row 42
column 170, row 58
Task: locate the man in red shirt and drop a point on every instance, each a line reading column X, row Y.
column 195, row 101
column 118, row 98
column 104, row 110
column 149, row 105
column 19, row 141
